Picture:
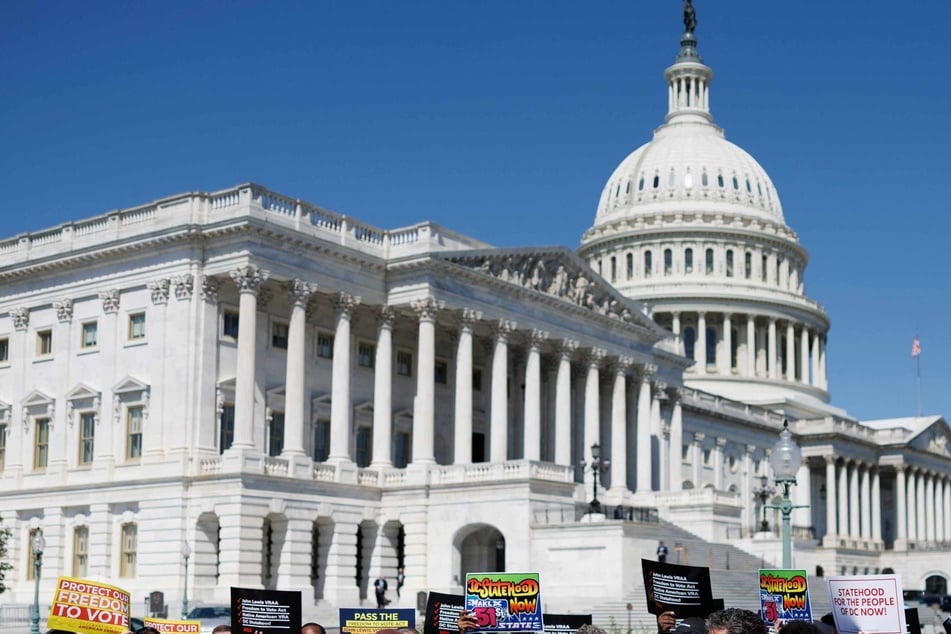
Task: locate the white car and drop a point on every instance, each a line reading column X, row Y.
column 210, row 616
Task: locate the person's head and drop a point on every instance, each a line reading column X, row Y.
column 800, row 627
column 224, row 628
column 691, row 625
column 407, row 630
column 587, row 628
column 148, row 629
column 735, row 621
column 312, row 628
column 661, row 543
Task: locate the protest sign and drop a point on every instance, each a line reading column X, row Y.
column 173, row 626
column 505, row 601
column 868, row 603
column 442, row 616
column 685, row 590
column 89, row 607
column 442, row 613
column 784, row 596
column 265, row 611
column 912, row 622
column 367, row 621
column 565, row 623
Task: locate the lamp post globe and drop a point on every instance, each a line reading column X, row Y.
column 37, row 545
column 785, row 460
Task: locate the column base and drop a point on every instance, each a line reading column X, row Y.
column 830, row 541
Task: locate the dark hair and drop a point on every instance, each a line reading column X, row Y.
column 736, row 621
column 148, row 629
column 800, row 627
column 224, row 627
column 319, row 627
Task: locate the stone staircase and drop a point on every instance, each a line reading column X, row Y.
column 733, row 575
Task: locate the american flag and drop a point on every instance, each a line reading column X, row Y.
column 915, row 348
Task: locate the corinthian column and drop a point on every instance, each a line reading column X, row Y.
column 563, row 403
column 675, row 460
column 592, row 403
column 619, row 426
column 832, row 507
column 424, row 410
column 383, row 390
column 499, row 414
column 463, row 411
column 533, row 397
column 248, row 279
column 644, row 467
column 340, row 410
column 299, row 293
column 901, row 503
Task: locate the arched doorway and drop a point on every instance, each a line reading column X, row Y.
column 936, row 584
column 481, row 549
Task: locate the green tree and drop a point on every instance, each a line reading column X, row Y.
column 5, row 566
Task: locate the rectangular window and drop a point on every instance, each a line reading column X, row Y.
column 275, row 434
column 648, row 264
column 136, row 326
column 44, row 342
column 325, row 345
column 226, row 433
column 133, row 436
column 706, row 456
column 401, row 450
column 90, row 335
column 365, row 355
column 729, row 263
column 441, row 373
column 748, row 265
column 685, row 453
column 229, row 324
column 404, row 363
column 765, row 267
column 476, row 380
column 3, row 446
column 128, row 546
column 321, row 440
column 87, row 432
column 80, row 551
column 613, row 269
column 668, row 261
column 709, row 261
column 279, row 336
column 41, row 443
column 4, row 349
column 630, row 265
column 363, row 444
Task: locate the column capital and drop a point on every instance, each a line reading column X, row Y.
column 502, row 329
column 536, row 338
column 249, row 278
column 299, row 291
column 647, row 370
column 698, row 437
column 678, row 394
column 622, row 364
column 159, row 290
column 566, row 348
column 750, row 450
column 467, row 318
column 344, row 303
column 427, row 307
column 64, row 309
column 830, row 459
column 721, row 442
column 21, row 317
column 385, row 317
column 660, row 389
column 110, row 300
column 594, row 356
column 209, row 289
column 184, row 286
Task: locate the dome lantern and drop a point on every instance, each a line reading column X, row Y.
column 688, row 79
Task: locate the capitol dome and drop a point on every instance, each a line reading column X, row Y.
column 691, row 226
column 689, row 165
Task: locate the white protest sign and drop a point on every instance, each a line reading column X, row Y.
column 867, row 603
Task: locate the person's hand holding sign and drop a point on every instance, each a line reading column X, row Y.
column 467, row 622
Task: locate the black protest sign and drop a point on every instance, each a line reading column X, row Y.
column 684, row 590
column 442, row 613
column 564, row 623
column 265, row 611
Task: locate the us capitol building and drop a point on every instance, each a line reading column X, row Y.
column 298, row 400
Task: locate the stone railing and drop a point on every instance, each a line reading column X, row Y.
column 383, row 478
column 324, row 472
column 696, row 497
column 751, row 413
column 500, row 471
column 209, row 465
column 276, row 466
column 185, row 211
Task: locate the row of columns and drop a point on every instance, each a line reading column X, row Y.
column 923, row 505
column 853, row 500
column 647, row 423
column 758, row 348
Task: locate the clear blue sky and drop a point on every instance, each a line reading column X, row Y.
column 503, row 119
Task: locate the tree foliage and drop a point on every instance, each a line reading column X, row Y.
column 5, row 565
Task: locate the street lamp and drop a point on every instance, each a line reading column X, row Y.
column 597, row 466
column 785, row 460
column 186, row 553
column 37, row 544
column 763, row 492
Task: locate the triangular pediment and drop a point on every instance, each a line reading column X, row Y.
column 403, row 415
column 81, row 392
column 129, row 384
column 558, row 273
column 366, row 406
column 36, row 399
column 4, row 406
column 320, row 406
column 226, row 384
column 934, row 437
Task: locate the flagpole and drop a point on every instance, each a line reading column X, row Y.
column 918, row 381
